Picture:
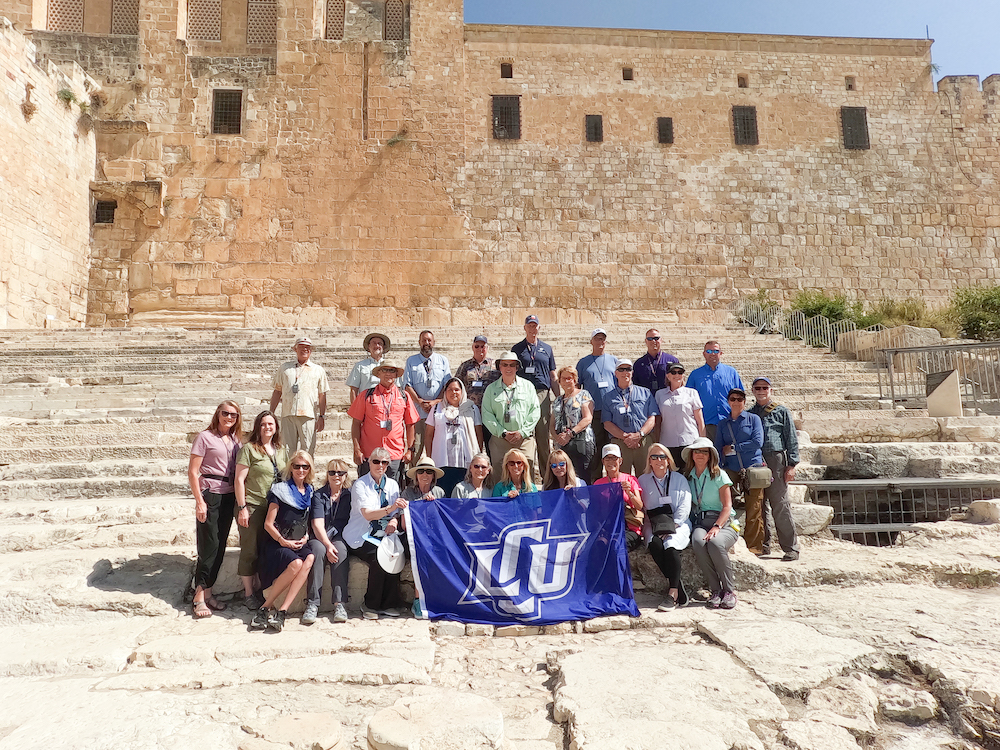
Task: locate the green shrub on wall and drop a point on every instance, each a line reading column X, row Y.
column 978, row 310
column 911, row 311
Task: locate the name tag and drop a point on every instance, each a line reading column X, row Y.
column 622, row 409
column 477, row 383
column 387, row 424
column 602, row 384
column 530, row 370
column 416, row 368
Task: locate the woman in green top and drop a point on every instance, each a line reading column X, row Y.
column 259, row 464
column 713, row 534
column 514, row 476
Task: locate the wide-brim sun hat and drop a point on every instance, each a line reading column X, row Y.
column 385, row 340
column 508, row 357
column 387, row 364
column 424, row 463
column 302, row 340
column 391, row 555
column 699, row 444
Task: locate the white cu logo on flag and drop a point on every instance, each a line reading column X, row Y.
column 523, row 568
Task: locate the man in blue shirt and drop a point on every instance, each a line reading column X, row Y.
column 713, row 381
column 651, row 368
column 739, row 440
column 597, row 376
column 538, row 367
column 629, row 412
column 425, row 376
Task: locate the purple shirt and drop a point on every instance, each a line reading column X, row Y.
column 218, row 456
column 652, row 373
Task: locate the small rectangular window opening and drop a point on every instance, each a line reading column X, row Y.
column 105, row 212
column 595, row 128
column 849, row 83
column 665, row 129
column 742, row 82
column 506, row 70
column 854, row 121
column 506, row 118
column 227, row 112
column 745, row 126
column 628, row 74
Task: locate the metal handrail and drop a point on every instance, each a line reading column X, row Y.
column 978, row 367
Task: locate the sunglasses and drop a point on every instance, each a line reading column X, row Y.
column 560, row 465
column 337, row 473
column 658, row 457
column 761, row 387
column 713, row 351
column 675, row 372
column 515, row 463
column 301, row 467
column 612, row 458
column 701, row 451
column 378, row 462
column 733, row 399
column 481, row 466
column 230, row 414
column 623, row 369
column 508, row 364
column 424, row 471
column 652, row 338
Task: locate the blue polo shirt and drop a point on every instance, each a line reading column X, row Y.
column 426, row 376
column 713, row 386
column 652, row 373
column 597, row 376
column 537, row 363
column 628, row 410
column 748, row 431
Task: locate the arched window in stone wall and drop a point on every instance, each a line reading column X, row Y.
column 395, row 20
column 65, row 15
column 334, row 19
column 204, row 20
column 125, row 17
column 262, row 21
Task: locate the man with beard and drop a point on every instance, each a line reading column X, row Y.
column 426, row 373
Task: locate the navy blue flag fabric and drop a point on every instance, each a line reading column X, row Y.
column 538, row 559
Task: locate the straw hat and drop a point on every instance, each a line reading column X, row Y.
column 425, row 462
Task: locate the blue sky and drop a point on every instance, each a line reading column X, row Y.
column 966, row 32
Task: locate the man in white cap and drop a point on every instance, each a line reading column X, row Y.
column 301, row 387
column 629, row 414
column 362, row 375
column 597, row 377
column 510, row 412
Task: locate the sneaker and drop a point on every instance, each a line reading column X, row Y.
column 339, row 613
column 276, row 621
column 310, row 616
column 716, row 601
column 667, row 604
column 728, row 600
column 393, row 612
column 255, row 601
column 368, row 614
column 790, row 557
column 765, row 551
column 416, row 609
column 259, row 621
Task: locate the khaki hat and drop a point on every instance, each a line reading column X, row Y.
column 699, row 444
column 387, row 364
column 370, row 336
column 425, row 462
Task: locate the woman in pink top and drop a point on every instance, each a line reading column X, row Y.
column 611, row 457
column 211, row 473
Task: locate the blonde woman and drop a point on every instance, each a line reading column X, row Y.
column 285, row 556
column 514, row 476
column 211, row 474
column 572, row 415
column 478, row 479
column 560, row 474
column 330, row 512
column 666, row 497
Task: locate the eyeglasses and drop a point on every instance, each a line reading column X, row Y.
column 481, row 466
column 658, row 457
column 378, row 462
column 560, row 465
column 652, row 338
column 230, row 414
column 515, row 463
column 675, row 372
column 301, row 467
column 733, row 399
column 337, row 473
column 713, row 351
column 701, row 451
column 424, row 471
column 761, row 387
column 508, row 364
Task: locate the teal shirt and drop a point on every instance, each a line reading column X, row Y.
column 521, row 401
column 502, row 488
column 705, row 490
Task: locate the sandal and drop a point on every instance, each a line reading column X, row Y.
column 200, row 610
column 215, row 605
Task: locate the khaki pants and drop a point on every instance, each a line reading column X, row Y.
column 633, row 459
column 753, row 524
column 299, row 433
column 499, row 447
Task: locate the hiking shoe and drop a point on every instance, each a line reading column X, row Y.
column 259, row 621
column 667, row 604
column 311, row 614
column 765, row 551
column 790, row 557
column 276, row 620
column 393, row 612
column 339, row 613
column 417, row 610
column 716, row 601
column 368, row 614
column 255, row 601
column 728, row 600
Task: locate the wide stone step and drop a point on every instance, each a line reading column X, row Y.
column 94, row 469
column 55, row 490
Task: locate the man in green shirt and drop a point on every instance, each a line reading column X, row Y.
column 510, row 412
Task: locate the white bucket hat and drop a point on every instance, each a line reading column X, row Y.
column 391, row 555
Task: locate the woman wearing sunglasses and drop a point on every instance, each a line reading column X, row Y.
column 285, row 556
column 560, row 474
column 424, row 474
column 739, row 440
column 514, row 479
column 330, row 512
column 666, row 496
column 211, row 474
column 478, row 479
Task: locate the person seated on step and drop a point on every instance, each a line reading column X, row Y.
column 424, row 476
column 376, row 508
column 514, row 477
column 478, row 479
column 560, row 474
column 285, row 557
column 331, row 510
column 611, row 457
column 211, row 474
column 666, row 497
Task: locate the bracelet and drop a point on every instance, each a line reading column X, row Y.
column 242, row 507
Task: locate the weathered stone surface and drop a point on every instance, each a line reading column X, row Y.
column 984, row 511
column 791, row 657
column 848, row 702
column 446, row 627
column 515, row 630
column 811, row 519
column 439, row 719
column 613, row 622
column 814, row 735
column 901, row 703
column 682, row 681
column 477, row 629
column 305, row 731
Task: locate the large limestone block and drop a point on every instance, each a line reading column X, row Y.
column 970, row 429
column 888, row 430
column 305, row 731
column 608, row 705
column 438, row 720
column 847, row 702
column 984, row 511
column 901, row 703
column 790, row 657
column 814, row 735
column 810, row 519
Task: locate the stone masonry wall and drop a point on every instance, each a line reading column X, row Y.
column 46, row 166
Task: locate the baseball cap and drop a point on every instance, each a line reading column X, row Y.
column 531, row 319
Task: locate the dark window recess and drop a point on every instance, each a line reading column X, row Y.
column 745, row 126
column 665, row 129
column 741, row 82
column 395, row 15
column 628, row 74
column 854, row 121
column 506, row 118
column 105, row 212
column 595, row 128
column 506, row 70
column 849, row 83
column 227, row 112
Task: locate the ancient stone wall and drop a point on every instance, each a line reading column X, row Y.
column 45, row 171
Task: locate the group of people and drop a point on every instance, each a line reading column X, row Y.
column 479, row 433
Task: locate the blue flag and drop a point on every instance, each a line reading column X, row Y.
column 537, row 559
